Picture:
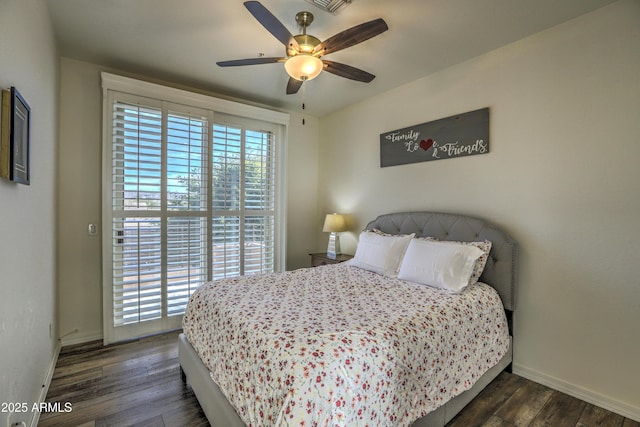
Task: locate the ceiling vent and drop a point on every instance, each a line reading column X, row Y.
column 331, row 6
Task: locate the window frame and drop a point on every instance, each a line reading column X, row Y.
column 120, row 88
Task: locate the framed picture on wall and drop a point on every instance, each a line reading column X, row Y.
column 14, row 137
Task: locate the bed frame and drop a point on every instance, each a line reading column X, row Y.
column 500, row 272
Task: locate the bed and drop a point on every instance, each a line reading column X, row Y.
column 197, row 363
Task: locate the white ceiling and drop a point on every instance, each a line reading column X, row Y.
column 180, row 41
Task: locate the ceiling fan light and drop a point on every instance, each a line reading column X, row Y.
column 303, row 67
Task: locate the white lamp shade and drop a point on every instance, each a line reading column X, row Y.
column 334, row 223
column 303, row 67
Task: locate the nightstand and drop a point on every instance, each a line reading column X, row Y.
column 323, row 259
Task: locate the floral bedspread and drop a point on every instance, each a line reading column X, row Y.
column 340, row 346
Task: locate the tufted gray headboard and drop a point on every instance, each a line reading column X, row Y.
column 501, row 269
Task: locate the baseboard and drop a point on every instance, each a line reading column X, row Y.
column 46, row 383
column 589, row 396
column 80, row 338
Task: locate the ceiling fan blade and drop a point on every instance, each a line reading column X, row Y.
column 293, row 86
column 272, row 24
column 352, row 36
column 250, row 61
column 347, row 71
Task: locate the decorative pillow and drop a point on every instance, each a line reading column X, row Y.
column 446, row 265
column 380, row 253
column 382, row 233
column 478, row 267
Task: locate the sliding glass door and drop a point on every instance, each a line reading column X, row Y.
column 192, row 197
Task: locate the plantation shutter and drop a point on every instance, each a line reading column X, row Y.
column 187, row 218
column 136, row 192
column 243, row 199
column 191, row 195
column 259, row 202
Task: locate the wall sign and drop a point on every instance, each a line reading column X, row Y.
column 461, row 135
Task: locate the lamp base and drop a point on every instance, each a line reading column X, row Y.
column 334, row 245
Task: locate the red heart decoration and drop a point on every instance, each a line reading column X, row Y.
column 425, row 145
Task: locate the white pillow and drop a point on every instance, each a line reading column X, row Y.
column 379, row 253
column 480, row 263
column 445, row 265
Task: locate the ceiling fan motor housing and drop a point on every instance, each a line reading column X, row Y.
column 307, row 44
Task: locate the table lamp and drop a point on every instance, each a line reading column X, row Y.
column 334, row 223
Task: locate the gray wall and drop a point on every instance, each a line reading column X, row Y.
column 563, row 177
column 29, row 61
column 80, row 287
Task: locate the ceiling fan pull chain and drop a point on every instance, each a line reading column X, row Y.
column 304, row 93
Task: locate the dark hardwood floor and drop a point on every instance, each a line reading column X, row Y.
column 138, row 383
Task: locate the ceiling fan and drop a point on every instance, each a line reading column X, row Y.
column 303, row 52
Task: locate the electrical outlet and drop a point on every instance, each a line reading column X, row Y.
column 92, row 229
column 15, row 423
